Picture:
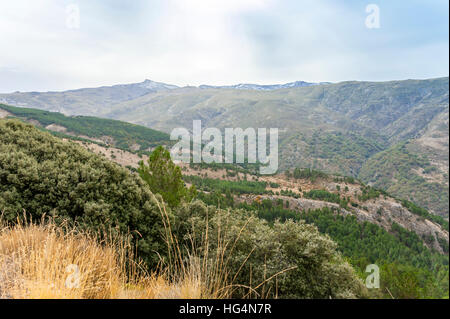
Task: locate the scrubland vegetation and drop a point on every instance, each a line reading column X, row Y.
column 143, row 234
column 410, row 270
column 182, row 246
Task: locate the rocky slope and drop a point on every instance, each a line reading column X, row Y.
column 383, row 210
column 393, row 135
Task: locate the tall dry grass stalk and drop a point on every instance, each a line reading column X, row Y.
column 48, row 261
column 207, row 276
column 208, row 269
column 45, row 260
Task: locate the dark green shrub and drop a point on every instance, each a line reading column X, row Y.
column 41, row 174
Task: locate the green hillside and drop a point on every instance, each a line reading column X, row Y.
column 42, row 174
column 404, row 171
column 419, row 272
column 117, row 133
column 343, row 128
column 336, row 128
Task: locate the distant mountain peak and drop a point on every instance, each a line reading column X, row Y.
column 149, row 84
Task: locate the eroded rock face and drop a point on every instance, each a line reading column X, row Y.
column 4, row 114
column 380, row 211
column 384, row 212
column 56, row 128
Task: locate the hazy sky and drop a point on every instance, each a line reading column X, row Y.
column 43, row 46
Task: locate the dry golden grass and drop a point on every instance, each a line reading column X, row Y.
column 207, row 273
column 43, row 260
column 48, row 261
column 204, row 275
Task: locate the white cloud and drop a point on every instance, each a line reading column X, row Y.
column 195, row 42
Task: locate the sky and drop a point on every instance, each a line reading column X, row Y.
column 48, row 45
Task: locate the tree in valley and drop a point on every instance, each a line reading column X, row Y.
column 165, row 178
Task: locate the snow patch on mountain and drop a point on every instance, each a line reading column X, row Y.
column 262, row 87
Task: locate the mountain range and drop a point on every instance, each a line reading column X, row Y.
column 393, row 135
column 259, row 87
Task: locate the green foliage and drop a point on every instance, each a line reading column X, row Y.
column 307, row 173
column 232, row 168
column 370, row 193
column 259, row 251
column 351, row 128
column 289, row 193
column 236, row 187
column 371, row 242
column 342, row 149
column 41, row 174
column 125, row 135
column 365, row 243
column 395, row 170
column 444, row 244
column 164, row 177
column 324, row 195
column 407, row 282
column 413, row 208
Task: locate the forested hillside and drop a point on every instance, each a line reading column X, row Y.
column 352, row 128
column 115, row 133
column 410, row 269
column 43, row 175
